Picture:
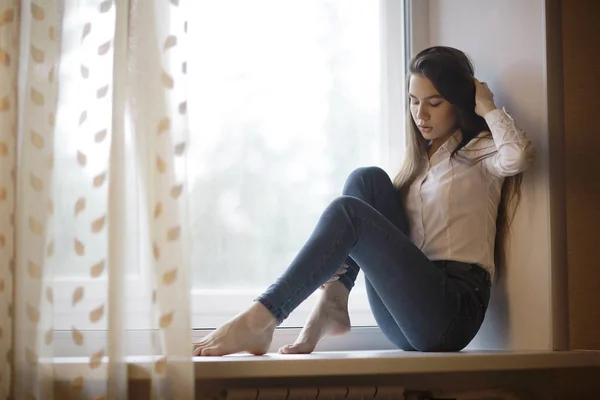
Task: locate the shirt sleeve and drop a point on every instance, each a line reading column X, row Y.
column 514, row 151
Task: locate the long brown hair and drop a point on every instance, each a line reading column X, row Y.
column 451, row 73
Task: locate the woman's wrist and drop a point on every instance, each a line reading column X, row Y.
column 487, row 108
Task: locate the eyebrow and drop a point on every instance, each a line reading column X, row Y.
column 433, row 96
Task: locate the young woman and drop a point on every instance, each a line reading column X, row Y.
column 427, row 242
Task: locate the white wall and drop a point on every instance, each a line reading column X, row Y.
column 507, row 43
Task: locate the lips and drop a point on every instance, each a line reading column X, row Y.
column 424, row 128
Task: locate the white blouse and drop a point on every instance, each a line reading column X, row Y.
column 452, row 205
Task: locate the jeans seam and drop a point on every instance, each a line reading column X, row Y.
column 446, row 329
column 394, row 241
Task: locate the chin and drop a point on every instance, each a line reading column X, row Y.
column 429, row 136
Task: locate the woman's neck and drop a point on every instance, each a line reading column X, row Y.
column 435, row 144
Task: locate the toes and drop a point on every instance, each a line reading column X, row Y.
column 210, row 351
column 299, row 348
column 206, row 351
column 198, row 349
column 201, row 345
column 284, row 349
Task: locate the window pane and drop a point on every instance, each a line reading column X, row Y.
column 284, row 103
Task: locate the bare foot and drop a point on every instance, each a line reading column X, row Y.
column 329, row 317
column 251, row 331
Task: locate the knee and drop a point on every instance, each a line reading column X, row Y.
column 344, row 203
column 366, row 174
column 344, row 208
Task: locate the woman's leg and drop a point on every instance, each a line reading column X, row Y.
column 423, row 300
column 330, row 316
column 374, row 186
column 385, row 320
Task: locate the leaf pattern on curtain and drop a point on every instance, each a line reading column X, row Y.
column 34, row 294
column 161, row 142
column 90, row 50
column 73, row 44
column 9, row 31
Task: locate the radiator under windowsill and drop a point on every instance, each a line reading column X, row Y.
column 355, row 363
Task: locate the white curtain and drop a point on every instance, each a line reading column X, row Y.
column 93, row 138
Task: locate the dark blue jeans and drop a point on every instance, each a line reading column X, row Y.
column 419, row 304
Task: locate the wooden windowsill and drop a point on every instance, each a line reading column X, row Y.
column 387, row 362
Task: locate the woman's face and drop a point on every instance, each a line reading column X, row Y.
column 433, row 114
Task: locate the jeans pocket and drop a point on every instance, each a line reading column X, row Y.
column 474, row 282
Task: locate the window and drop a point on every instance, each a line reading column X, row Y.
column 285, row 100
column 289, row 101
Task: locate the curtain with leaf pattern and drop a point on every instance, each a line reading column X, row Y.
column 93, row 137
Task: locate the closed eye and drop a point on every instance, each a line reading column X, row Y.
column 416, row 103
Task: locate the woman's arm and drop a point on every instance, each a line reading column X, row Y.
column 514, row 151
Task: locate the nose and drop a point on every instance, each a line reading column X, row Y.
column 422, row 113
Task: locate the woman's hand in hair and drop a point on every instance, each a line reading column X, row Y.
column 484, row 98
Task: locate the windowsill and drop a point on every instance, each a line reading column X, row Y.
column 387, row 362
